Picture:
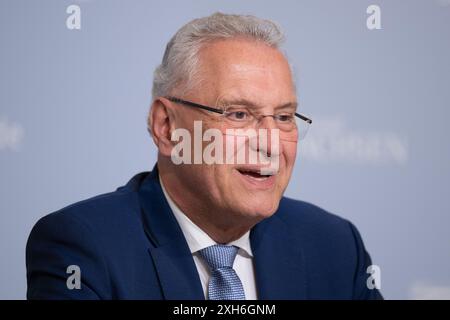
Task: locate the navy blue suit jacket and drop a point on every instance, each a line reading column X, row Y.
column 128, row 245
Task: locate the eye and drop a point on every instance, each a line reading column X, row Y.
column 238, row 115
column 284, row 117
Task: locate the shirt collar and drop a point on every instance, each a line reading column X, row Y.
column 196, row 238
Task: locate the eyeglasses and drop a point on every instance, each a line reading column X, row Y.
column 293, row 126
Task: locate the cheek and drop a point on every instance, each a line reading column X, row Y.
column 290, row 153
column 219, row 178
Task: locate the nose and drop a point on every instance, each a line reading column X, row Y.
column 268, row 143
column 267, row 122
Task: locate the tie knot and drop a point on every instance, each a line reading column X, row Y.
column 219, row 256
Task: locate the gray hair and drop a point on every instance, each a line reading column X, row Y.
column 180, row 61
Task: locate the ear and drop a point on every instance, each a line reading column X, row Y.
column 160, row 124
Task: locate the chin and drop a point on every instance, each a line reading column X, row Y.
column 269, row 210
column 260, row 210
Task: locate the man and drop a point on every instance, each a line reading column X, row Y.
column 207, row 229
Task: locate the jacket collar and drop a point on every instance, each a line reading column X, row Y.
column 169, row 251
column 280, row 268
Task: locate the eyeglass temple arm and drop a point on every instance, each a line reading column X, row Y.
column 195, row 105
column 303, row 117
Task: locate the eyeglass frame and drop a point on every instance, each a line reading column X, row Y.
column 220, row 111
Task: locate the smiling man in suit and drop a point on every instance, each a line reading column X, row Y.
column 208, row 229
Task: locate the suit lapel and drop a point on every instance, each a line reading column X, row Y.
column 169, row 251
column 279, row 265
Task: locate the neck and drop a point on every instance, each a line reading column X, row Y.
column 220, row 234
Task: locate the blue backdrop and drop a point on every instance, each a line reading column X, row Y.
column 73, row 108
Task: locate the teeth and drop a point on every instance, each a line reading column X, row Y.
column 254, row 175
column 262, row 172
column 258, row 178
column 268, row 171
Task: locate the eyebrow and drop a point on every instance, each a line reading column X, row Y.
column 245, row 102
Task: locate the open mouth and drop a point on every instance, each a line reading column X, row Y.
column 253, row 174
column 256, row 173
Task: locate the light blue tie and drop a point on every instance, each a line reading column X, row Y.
column 224, row 283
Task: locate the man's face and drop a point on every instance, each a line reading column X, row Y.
column 235, row 70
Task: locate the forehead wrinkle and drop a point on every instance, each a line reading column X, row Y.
column 251, row 104
column 252, row 96
column 245, row 68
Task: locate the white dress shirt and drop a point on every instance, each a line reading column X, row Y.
column 197, row 239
